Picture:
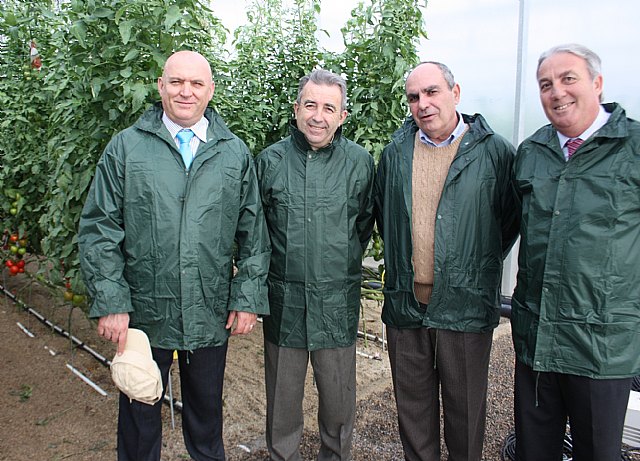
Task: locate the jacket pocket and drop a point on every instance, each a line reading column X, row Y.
column 215, row 295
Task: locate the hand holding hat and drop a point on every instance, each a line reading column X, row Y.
column 135, row 372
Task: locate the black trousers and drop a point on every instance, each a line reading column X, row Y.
column 201, row 382
column 595, row 407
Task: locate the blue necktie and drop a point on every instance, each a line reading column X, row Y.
column 184, row 137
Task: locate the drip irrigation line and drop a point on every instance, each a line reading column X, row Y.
column 77, row 342
column 174, row 403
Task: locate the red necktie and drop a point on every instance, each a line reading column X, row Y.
column 572, row 145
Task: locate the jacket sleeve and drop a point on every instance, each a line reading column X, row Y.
column 378, row 192
column 365, row 220
column 249, row 286
column 509, row 210
column 100, row 237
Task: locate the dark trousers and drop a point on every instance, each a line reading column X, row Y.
column 426, row 362
column 334, row 371
column 201, row 381
column 595, row 407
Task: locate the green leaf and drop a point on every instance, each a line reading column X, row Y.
column 126, row 72
column 173, row 15
column 132, row 54
column 79, row 31
column 10, row 19
column 102, row 13
column 140, row 92
column 125, row 28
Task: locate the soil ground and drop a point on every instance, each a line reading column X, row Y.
column 49, row 413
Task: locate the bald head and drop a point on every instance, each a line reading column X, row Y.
column 187, row 58
column 186, row 87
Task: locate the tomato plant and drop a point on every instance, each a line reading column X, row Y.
column 56, row 119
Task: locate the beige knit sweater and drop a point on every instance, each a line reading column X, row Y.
column 430, row 168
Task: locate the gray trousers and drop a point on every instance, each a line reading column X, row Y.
column 426, row 363
column 334, row 371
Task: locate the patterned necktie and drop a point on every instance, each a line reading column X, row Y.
column 572, row 145
column 184, row 137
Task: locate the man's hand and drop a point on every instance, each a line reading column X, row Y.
column 245, row 321
column 114, row 328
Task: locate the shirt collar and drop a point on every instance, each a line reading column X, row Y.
column 457, row 132
column 601, row 119
column 199, row 128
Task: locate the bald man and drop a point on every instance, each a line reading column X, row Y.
column 174, row 205
column 446, row 212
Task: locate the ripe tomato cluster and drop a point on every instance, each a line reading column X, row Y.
column 17, row 247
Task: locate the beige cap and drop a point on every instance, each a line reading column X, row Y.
column 135, row 372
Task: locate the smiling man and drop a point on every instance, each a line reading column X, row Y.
column 174, row 204
column 446, row 211
column 316, row 192
column 576, row 306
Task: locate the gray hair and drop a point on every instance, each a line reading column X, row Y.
column 591, row 59
column 324, row 77
column 446, row 72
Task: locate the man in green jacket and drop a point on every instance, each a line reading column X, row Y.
column 446, row 211
column 576, row 306
column 165, row 221
column 316, row 191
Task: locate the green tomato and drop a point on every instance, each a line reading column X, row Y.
column 77, row 300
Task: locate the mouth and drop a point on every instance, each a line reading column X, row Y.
column 563, row 107
column 427, row 116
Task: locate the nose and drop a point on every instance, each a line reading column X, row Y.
column 317, row 114
column 423, row 102
column 557, row 91
column 185, row 90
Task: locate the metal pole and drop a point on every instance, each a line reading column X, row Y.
column 518, row 118
column 511, row 262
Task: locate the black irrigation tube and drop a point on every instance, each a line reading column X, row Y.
column 77, row 342
column 505, row 311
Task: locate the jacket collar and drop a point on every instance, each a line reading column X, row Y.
column 301, row 141
column 616, row 127
column 151, row 121
column 478, row 128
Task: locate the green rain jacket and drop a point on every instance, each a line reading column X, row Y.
column 319, row 212
column 476, row 225
column 159, row 242
column 576, row 306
